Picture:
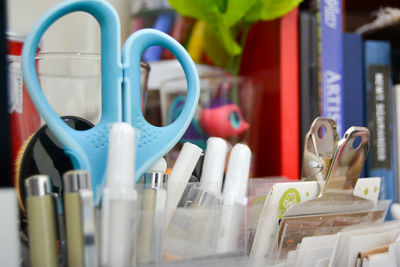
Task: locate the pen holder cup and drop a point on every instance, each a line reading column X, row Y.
column 200, row 226
column 228, row 108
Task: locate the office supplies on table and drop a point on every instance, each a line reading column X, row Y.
column 213, row 165
column 336, row 205
column 319, row 147
column 43, row 154
column 153, row 210
column 40, row 207
column 79, row 219
column 118, row 215
column 180, row 175
column 234, row 198
column 121, row 99
column 356, row 239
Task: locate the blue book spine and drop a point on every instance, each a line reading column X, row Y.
column 163, row 23
column 331, row 41
column 379, row 115
column 353, row 92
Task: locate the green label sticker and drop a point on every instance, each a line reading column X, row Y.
column 290, row 198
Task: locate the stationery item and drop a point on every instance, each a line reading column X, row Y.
column 195, row 44
column 213, row 165
column 308, row 44
column 352, row 241
column 331, row 61
column 373, row 257
column 315, row 248
column 121, row 99
column 319, row 147
column 119, row 199
column 41, row 221
column 154, row 200
column 280, row 198
column 280, row 97
column 79, row 219
column 379, row 115
column 163, row 23
column 41, row 154
column 336, row 206
column 234, row 198
column 353, row 89
column 179, row 177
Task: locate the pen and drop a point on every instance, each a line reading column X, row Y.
column 119, row 198
column 179, row 177
column 40, row 205
column 213, row 165
column 234, row 198
column 79, row 219
column 154, row 202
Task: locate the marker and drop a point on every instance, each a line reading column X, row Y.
column 179, row 177
column 154, row 202
column 42, row 230
column 119, row 198
column 80, row 219
column 234, row 198
column 213, row 165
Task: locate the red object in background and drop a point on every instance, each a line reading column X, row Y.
column 24, row 118
column 271, row 55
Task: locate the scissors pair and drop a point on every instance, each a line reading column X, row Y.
column 121, row 96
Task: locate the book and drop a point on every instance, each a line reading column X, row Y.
column 271, row 55
column 331, row 56
column 309, row 95
column 353, row 93
column 379, row 116
column 5, row 146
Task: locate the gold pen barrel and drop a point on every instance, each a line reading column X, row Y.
column 73, row 182
column 41, row 221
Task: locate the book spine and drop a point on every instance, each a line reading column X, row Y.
column 331, row 61
column 380, row 162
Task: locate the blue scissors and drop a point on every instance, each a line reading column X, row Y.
column 121, row 98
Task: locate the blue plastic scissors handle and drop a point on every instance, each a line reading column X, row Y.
column 121, row 100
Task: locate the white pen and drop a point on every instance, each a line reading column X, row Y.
column 119, row 199
column 179, row 177
column 234, row 198
column 213, row 165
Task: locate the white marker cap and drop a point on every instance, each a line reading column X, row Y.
column 237, row 175
column 213, row 165
column 121, row 156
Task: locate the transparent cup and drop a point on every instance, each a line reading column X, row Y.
column 228, row 108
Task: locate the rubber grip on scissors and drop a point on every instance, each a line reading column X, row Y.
column 155, row 141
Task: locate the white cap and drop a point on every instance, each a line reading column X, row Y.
column 237, row 175
column 159, row 166
column 213, row 165
column 121, row 156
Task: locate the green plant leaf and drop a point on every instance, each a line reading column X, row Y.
column 270, row 9
column 214, row 48
column 236, row 10
column 206, row 10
